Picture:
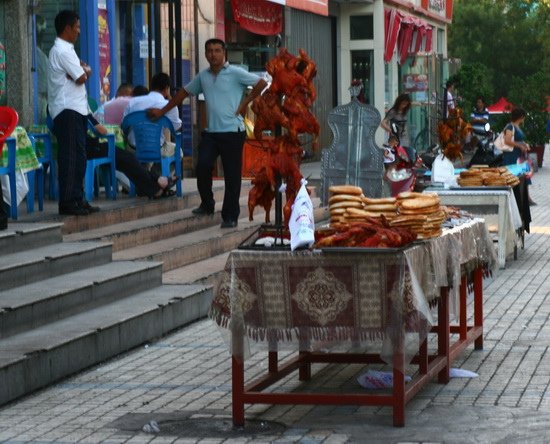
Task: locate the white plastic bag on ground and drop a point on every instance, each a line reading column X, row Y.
column 301, row 224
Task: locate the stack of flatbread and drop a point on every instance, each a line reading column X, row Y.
column 420, row 212
column 487, row 177
column 378, row 207
column 343, row 201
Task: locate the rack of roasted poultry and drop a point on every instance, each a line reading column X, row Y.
column 284, row 107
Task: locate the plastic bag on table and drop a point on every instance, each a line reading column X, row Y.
column 443, row 170
column 21, row 185
column 301, row 224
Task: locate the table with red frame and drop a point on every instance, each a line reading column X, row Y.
column 314, row 299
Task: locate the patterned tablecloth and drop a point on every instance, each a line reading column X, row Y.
column 25, row 156
column 330, row 296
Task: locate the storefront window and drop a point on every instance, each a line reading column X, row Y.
column 361, row 27
column 3, row 97
column 362, row 69
column 44, row 29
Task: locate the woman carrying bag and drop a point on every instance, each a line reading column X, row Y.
column 516, row 149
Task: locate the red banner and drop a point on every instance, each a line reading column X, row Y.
column 258, row 16
column 316, row 6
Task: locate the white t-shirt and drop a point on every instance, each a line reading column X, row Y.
column 64, row 93
column 152, row 100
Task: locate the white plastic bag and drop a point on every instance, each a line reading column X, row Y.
column 21, row 185
column 301, row 224
column 443, row 171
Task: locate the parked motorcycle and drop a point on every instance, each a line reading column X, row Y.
column 485, row 151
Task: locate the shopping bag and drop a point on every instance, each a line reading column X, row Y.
column 301, row 224
column 21, row 185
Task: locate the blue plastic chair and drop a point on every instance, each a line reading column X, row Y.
column 46, row 158
column 9, row 170
column 147, row 136
column 35, row 177
column 109, row 176
column 8, row 122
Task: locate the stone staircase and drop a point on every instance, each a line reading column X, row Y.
column 76, row 293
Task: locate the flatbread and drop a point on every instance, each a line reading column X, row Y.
column 345, row 189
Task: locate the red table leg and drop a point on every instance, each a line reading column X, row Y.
column 237, row 390
column 443, row 334
column 478, row 306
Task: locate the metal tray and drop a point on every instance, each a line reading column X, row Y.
column 483, row 188
column 364, row 250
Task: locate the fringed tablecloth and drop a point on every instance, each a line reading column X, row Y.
column 315, row 298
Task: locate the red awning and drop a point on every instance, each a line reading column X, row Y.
column 392, row 25
column 316, row 6
column 500, row 107
column 411, row 34
column 258, row 16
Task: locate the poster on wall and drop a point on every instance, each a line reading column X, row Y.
column 104, row 52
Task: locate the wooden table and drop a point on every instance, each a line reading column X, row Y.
column 491, row 200
column 313, row 300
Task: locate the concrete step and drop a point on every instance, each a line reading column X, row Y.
column 148, row 229
column 204, row 272
column 128, row 209
column 36, row 264
column 30, row 306
column 207, row 271
column 23, row 236
column 34, row 359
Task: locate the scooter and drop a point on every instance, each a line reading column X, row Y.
column 485, row 153
column 399, row 173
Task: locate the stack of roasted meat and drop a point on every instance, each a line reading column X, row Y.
column 475, row 177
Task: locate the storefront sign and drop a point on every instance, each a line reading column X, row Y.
column 316, row 6
column 415, row 82
column 104, row 54
column 258, row 16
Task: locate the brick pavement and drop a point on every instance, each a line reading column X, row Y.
column 183, row 382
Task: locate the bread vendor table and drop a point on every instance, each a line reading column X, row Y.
column 501, row 198
column 320, row 299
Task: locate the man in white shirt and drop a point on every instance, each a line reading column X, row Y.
column 112, row 111
column 157, row 98
column 68, row 107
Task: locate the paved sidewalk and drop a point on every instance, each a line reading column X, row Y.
column 183, row 383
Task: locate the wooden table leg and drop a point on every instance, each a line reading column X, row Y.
column 398, row 390
column 443, row 334
column 478, row 306
column 463, row 315
column 237, row 390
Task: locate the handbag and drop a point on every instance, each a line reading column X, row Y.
column 500, row 143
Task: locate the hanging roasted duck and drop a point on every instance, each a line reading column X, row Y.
column 286, row 105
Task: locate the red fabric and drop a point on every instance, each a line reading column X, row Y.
column 393, row 19
column 258, row 16
column 428, row 43
column 405, row 39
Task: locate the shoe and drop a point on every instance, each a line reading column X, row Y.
column 73, row 210
column 3, row 223
column 532, row 203
column 228, row 224
column 86, row 205
column 201, row 211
